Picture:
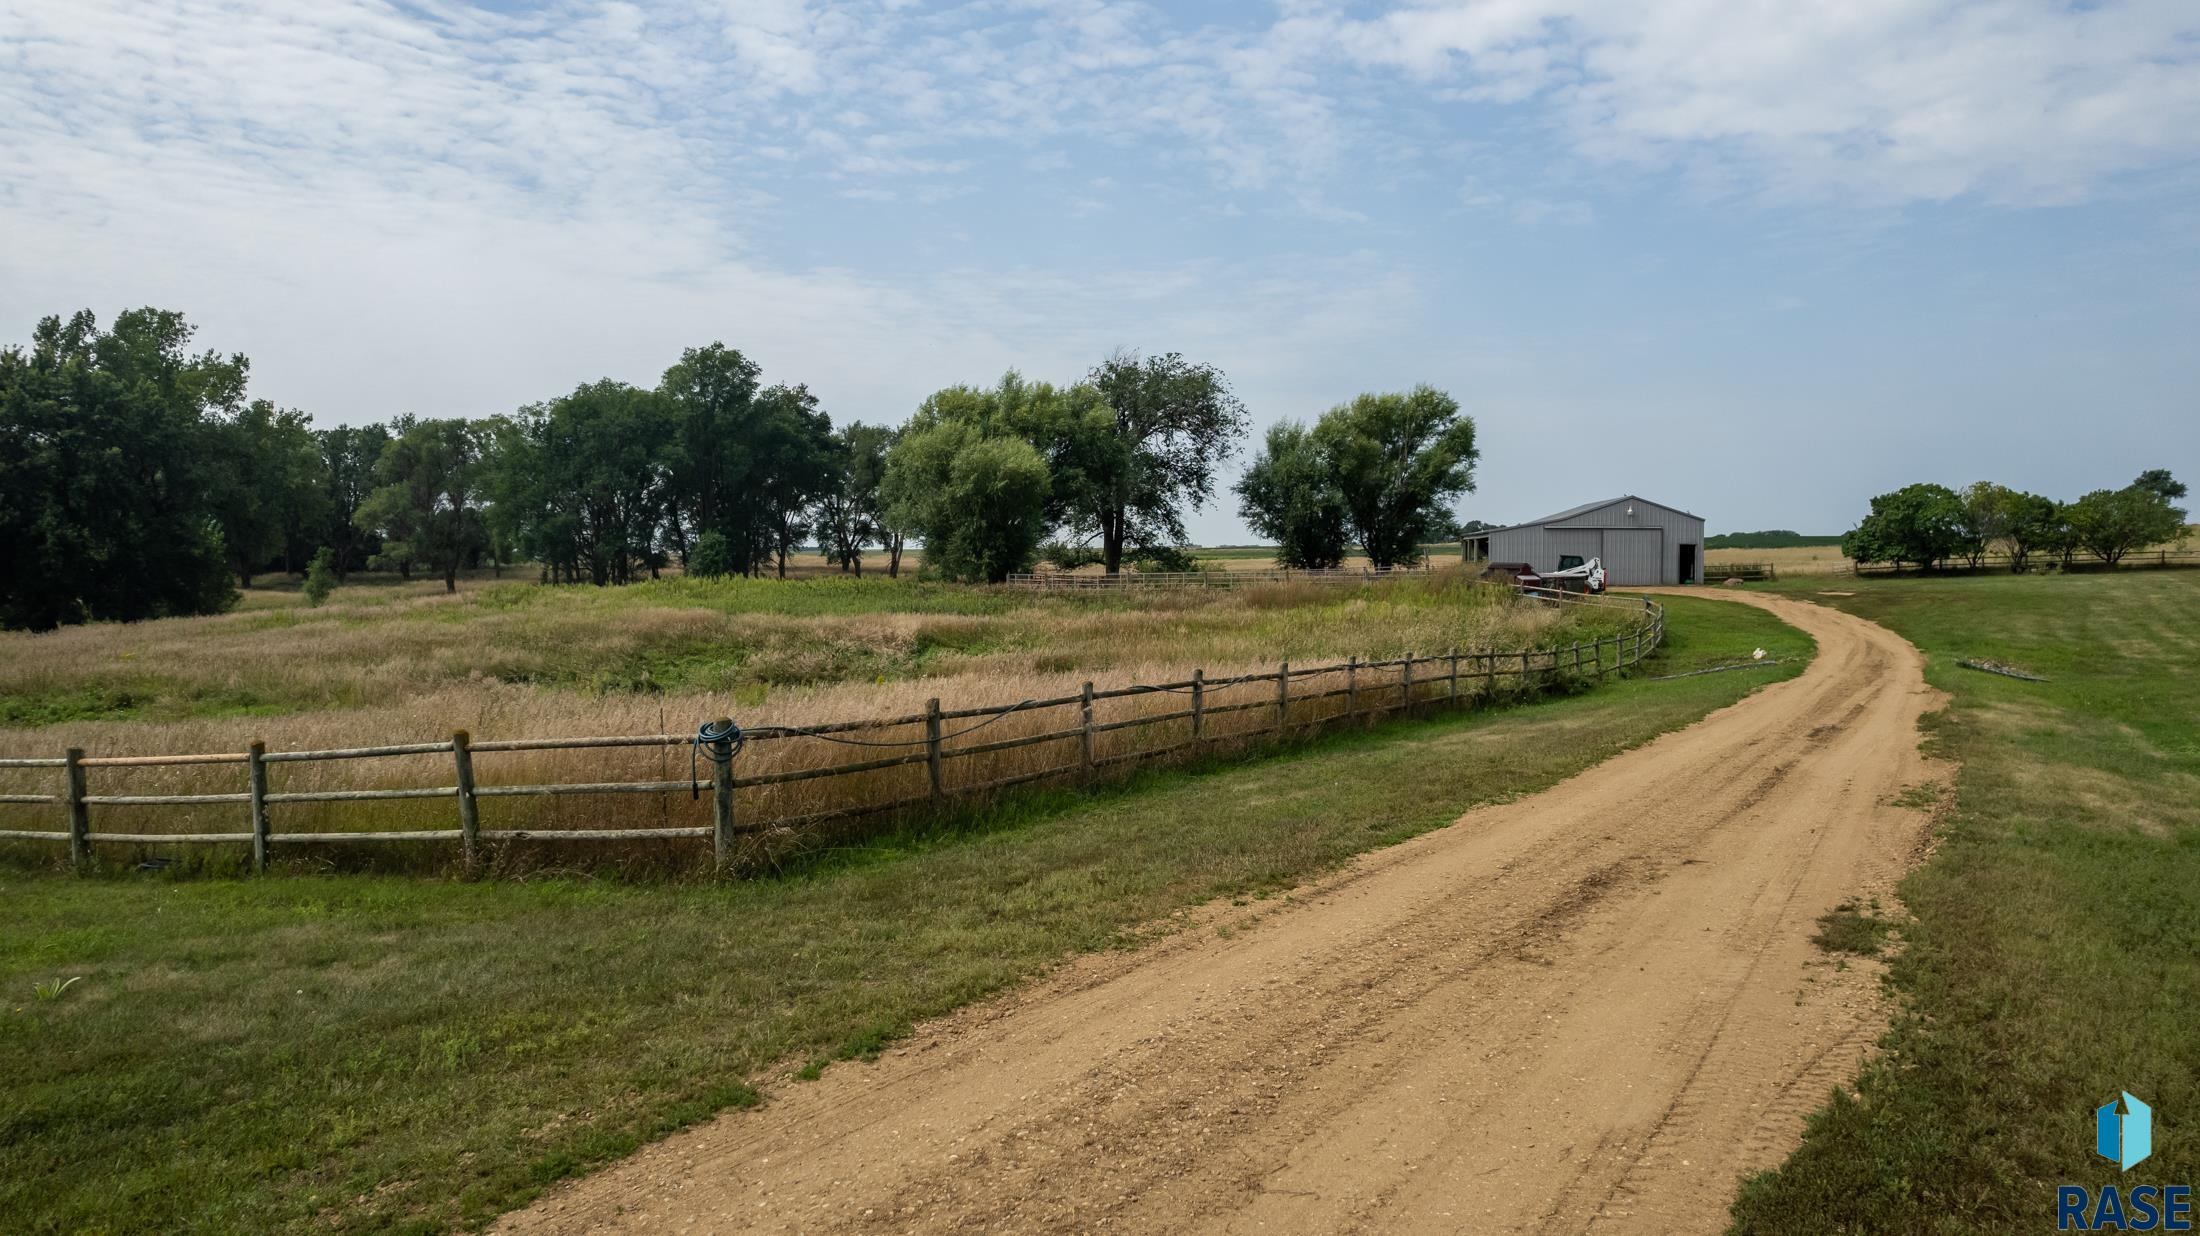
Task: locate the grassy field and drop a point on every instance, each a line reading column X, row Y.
column 573, row 651
column 517, row 660
column 2053, row 956
column 378, row 1053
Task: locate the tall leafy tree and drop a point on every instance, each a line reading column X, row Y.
column 588, row 479
column 427, row 506
column 1923, row 523
column 2030, row 523
column 269, row 489
column 2110, row 523
column 868, row 446
column 796, row 463
column 845, row 520
column 1129, row 456
column 1290, row 496
column 107, row 471
column 1400, row 461
column 348, row 456
column 977, row 499
column 712, row 459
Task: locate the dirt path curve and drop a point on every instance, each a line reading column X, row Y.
column 1590, row 1009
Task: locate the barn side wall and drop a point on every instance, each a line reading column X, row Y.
column 1639, row 549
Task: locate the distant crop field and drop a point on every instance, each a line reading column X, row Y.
column 1793, row 560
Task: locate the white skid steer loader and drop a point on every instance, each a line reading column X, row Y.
column 1588, row 577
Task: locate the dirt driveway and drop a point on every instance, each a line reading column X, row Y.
column 1594, row 1008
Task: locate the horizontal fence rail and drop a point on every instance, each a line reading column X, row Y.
column 1218, row 578
column 919, row 755
column 1751, row 571
column 2138, row 559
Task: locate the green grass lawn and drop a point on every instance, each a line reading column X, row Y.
column 2054, row 955
column 377, row 1053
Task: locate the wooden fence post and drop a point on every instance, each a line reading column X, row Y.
column 1405, row 684
column 932, row 745
column 1283, row 695
column 1352, row 687
column 80, row 813
column 1085, row 738
column 1454, row 657
column 1199, row 702
column 1489, row 675
column 721, row 795
column 255, row 761
column 1527, row 673
column 469, row 813
column 1577, row 658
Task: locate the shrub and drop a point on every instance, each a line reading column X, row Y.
column 320, row 576
column 711, row 556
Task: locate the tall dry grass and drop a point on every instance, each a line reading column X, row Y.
column 1031, row 649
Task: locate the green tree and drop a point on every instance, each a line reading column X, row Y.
column 797, row 462
column 1921, row 523
column 867, row 448
column 979, row 503
column 270, row 492
column 1400, row 461
column 108, row 471
column 843, row 516
column 2031, row 523
column 712, row 455
column 427, row 505
column 2110, row 523
column 581, row 481
column 1289, row 495
column 348, row 456
column 1134, row 446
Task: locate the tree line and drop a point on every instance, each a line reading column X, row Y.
column 137, row 480
column 1929, row 525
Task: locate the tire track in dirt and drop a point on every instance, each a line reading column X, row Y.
column 1594, row 1007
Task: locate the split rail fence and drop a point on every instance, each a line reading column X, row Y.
column 923, row 748
column 1218, row 578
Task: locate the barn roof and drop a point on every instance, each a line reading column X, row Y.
column 1584, row 509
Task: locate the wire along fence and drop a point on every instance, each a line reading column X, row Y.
column 748, row 787
column 1220, row 577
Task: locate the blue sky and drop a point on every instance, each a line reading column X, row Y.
column 1757, row 260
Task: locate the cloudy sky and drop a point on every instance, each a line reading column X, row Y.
column 1753, row 258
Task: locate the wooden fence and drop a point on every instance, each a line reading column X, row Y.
column 2143, row 559
column 1218, row 578
column 1240, row 709
column 1755, row 572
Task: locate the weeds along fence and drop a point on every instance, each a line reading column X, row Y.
column 1221, row 578
column 749, row 792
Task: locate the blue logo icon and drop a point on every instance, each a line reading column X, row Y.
column 2126, row 1138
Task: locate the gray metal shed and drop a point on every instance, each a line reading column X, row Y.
column 1641, row 542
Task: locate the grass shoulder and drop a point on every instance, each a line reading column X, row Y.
column 2051, row 957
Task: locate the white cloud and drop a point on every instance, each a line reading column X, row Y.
column 1886, row 101
column 439, row 208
